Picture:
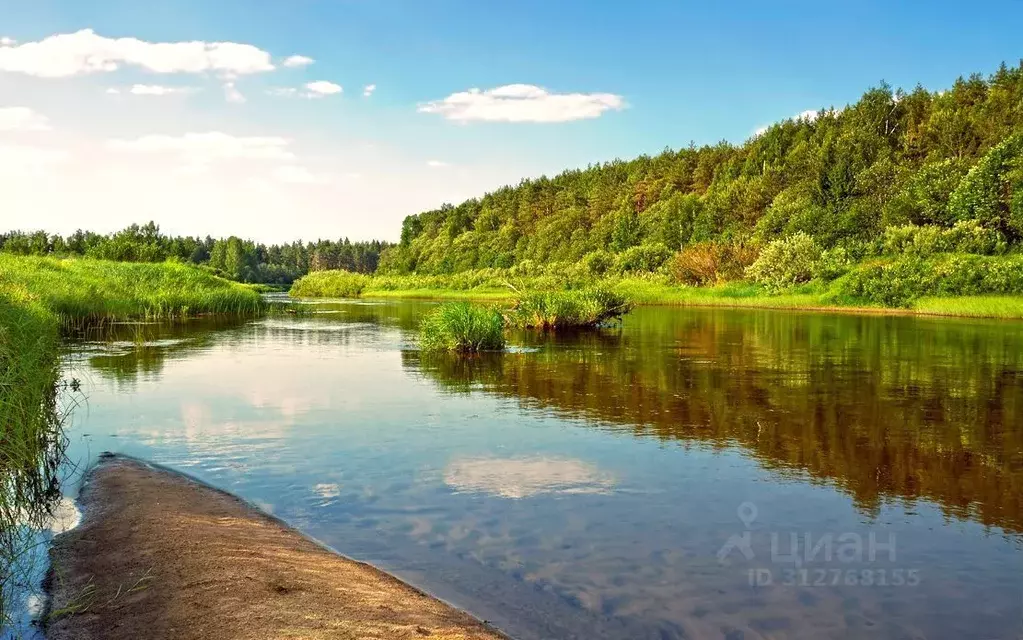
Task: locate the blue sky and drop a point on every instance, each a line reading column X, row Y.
column 100, row 133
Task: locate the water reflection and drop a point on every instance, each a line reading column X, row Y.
column 882, row 407
column 582, row 486
column 526, row 477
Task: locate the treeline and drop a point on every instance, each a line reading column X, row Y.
column 234, row 258
column 842, row 176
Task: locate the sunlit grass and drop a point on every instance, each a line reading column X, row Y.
column 568, row 309
column 972, row 306
column 330, row 284
column 462, row 327
column 81, row 292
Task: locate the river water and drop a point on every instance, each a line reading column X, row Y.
column 694, row 473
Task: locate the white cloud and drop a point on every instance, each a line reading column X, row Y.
column 22, row 119
column 200, row 149
column 84, row 52
column 113, row 91
column 522, row 103
column 436, row 164
column 282, row 92
column 232, row 94
column 7, row 42
column 157, row 90
column 322, row 88
column 296, row 174
column 368, row 90
column 297, row 61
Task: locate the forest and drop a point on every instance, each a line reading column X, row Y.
column 936, row 171
column 232, row 258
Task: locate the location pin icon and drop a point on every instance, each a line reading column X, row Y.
column 747, row 512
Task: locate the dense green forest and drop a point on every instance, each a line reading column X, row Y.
column 930, row 159
column 234, row 258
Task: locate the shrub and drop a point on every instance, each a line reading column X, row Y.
column 786, row 262
column 567, row 309
column 984, row 194
column 645, row 257
column 597, row 263
column 330, row 284
column 462, row 327
column 833, row 263
column 710, row 262
column 966, row 236
column 898, row 282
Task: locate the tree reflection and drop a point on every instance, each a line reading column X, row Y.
column 883, row 407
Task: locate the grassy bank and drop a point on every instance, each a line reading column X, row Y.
column 40, row 298
column 875, row 286
column 82, row 291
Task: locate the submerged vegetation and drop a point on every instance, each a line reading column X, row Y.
column 462, row 327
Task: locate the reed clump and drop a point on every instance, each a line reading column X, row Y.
column 585, row 308
column 330, row 284
column 462, row 327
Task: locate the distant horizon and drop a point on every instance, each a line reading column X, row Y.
column 277, row 126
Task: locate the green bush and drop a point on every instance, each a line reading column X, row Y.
column 709, row 262
column 462, row 327
column 330, row 284
column 966, row 236
column 833, row 263
column 985, row 193
column 597, row 263
column 786, row 262
column 898, row 282
column 645, row 257
column 568, row 309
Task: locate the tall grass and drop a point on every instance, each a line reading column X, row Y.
column 40, row 297
column 330, row 284
column 462, row 327
column 31, row 440
column 82, row 292
column 568, row 309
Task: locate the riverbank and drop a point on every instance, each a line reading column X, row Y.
column 159, row 555
column 653, row 290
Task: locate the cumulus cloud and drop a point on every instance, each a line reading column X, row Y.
column 22, row 119
column 322, row 88
column 368, row 90
column 84, row 52
column 297, row 61
column 232, row 94
column 7, row 42
column 522, row 103
column 526, row 477
column 201, row 149
column 436, row 164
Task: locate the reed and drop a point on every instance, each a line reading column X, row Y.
column 584, row 308
column 462, row 327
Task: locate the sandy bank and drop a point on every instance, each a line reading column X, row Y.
column 159, row 555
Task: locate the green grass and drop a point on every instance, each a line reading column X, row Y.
column 40, row 298
column 462, row 327
column 568, row 309
column 330, row 284
column 83, row 292
column 972, row 306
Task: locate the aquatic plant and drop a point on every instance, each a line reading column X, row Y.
column 462, row 327
column 568, row 309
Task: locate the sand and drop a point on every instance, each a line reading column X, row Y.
column 159, row 555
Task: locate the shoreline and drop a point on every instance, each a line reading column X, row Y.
column 162, row 555
column 963, row 307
